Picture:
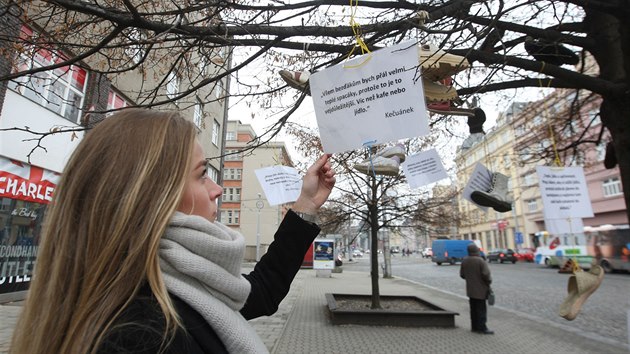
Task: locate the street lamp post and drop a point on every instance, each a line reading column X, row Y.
column 259, row 205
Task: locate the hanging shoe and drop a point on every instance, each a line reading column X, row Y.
column 297, row 79
column 581, row 285
column 437, row 64
column 610, row 159
column 475, row 123
column 446, row 109
column 567, row 267
column 497, row 196
column 391, row 151
column 387, row 166
column 436, row 92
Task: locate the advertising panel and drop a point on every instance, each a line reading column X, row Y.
column 25, row 191
column 323, row 254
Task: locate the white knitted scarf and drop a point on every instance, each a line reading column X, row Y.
column 201, row 264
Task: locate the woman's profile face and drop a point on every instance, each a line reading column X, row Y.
column 200, row 191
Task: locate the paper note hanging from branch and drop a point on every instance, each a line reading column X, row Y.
column 564, row 192
column 379, row 101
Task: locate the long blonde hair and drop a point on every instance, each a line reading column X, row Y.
column 102, row 231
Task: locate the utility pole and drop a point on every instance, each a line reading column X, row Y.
column 259, row 205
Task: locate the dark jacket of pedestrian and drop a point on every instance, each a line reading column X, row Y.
column 476, row 273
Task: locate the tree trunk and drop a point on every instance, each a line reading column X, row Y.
column 617, row 114
column 373, row 219
column 612, row 54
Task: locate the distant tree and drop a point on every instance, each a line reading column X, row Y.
column 378, row 202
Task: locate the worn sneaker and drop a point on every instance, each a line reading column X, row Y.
column 445, row 108
column 297, row 79
column 581, row 285
column 497, row 196
column 391, row 151
column 388, row 166
column 437, row 64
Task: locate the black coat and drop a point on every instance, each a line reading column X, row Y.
column 140, row 328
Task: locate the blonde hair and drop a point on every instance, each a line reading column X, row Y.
column 102, row 231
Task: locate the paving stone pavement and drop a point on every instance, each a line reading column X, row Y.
column 301, row 325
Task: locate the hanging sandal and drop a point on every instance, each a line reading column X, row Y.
column 581, row 285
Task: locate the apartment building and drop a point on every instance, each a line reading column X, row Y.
column 69, row 99
column 533, row 139
column 524, row 138
column 496, row 152
column 243, row 205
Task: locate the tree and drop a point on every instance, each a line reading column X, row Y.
column 379, row 203
column 96, row 34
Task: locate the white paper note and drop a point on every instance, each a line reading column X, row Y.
column 372, row 99
column 423, row 168
column 281, row 184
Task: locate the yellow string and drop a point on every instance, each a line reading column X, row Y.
column 557, row 160
column 575, row 266
column 356, row 30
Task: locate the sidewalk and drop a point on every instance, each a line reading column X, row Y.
column 301, row 325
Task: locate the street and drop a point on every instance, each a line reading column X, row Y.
column 529, row 289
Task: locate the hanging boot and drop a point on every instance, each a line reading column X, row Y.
column 610, row 160
column 497, row 196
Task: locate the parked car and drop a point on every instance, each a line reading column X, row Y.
column 427, row 252
column 502, row 255
column 357, row 253
column 525, row 255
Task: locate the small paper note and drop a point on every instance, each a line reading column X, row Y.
column 281, row 184
column 423, row 168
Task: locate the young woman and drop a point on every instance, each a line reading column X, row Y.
column 132, row 260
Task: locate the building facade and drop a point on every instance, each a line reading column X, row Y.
column 539, row 133
column 243, row 204
column 62, row 103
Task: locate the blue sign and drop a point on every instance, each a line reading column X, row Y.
column 518, row 238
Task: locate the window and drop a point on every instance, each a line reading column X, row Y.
column 230, row 136
column 578, row 159
column 507, row 161
column 218, row 89
column 231, row 216
column 569, row 129
column 612, row 187
column 115, row 101
column 135, row 50
column 594, row 117
column 601, row 151
column 61, row 90
column 231, row 194
column 203, row 63
column 233, row 155
column 213, row 173
column 198, row 115
column 215, row 133
column 172, row 85
column 232, row 173
column 529, row 179
column 532, row 205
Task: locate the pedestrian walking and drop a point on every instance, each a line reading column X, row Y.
column 478, row 279
column 132, row 260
